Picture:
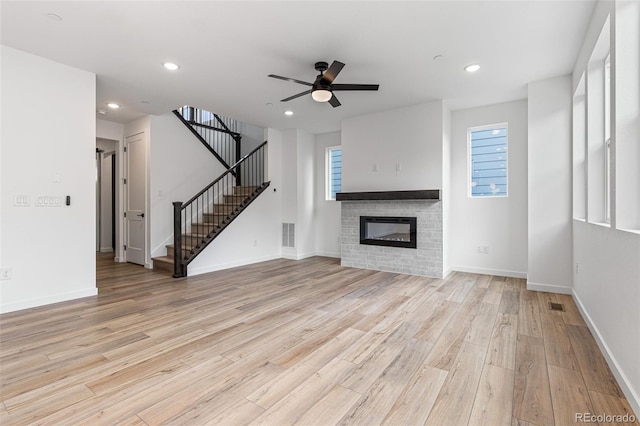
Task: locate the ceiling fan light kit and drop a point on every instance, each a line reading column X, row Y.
column 322, row 88
column 321, row 95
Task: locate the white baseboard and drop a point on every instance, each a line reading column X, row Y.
column 213, row 268
column 41, row 301
column 447, row 272
column 549, row 288
column 632, row 397
column 106, row 249
column 298, row 256
column 328, row 254
column 482, row 271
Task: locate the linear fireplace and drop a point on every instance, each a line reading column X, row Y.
column 388, row 231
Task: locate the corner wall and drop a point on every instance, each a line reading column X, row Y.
column 549, row 186
column 606, row 274
column 180, row 166
column 327, row 213
column 51, row 250
column 497, row 222
column 255, row 235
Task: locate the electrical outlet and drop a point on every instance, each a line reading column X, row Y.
column 5, row 273
column 482, row 249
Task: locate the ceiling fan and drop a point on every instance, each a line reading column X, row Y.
column 322, row 88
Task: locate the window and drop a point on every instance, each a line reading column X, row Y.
column 334, row 172
column 488, row 161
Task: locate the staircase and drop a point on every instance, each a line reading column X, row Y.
column 200, row 220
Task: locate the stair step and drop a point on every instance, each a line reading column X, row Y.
column 244, row 190
column 205, row 227
column 224, row 208
column 163, row 262
column 235, row 198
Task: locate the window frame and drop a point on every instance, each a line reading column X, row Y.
column 607, row 138
column 502, row 125
column 328, row 171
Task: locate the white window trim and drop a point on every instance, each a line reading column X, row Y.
column 504, row 125
column 327, row 171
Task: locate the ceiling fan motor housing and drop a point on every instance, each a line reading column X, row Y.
column 321, row 66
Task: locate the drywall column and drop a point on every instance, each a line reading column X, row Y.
column 549, row 185
column 50, row 249
column 298, row 204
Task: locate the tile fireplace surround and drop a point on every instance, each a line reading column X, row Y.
column 425, row 260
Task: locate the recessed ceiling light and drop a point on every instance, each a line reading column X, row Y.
column 54, row 17
column 288, row 113
column 102, row 112
column 472, row 68
column 113, row 105
column 171, row 66
column 438, row 57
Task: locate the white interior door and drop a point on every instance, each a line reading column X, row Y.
column 135, row 190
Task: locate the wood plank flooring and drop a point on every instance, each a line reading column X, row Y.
column 302, row 342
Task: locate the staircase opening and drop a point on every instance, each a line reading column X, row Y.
column 198, row 221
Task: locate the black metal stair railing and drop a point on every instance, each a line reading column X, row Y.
column 218, row 134
column 200, row 220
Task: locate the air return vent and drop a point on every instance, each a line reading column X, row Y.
column 288, row 235
column 556, row 306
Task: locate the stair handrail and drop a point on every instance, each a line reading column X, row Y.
column 201, row 139
column 180, row 220
column 229, row 170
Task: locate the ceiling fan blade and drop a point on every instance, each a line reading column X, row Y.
column 355, row 86
column 289, row 79
column 334, row 101
column 332, row 72
column 306, row 92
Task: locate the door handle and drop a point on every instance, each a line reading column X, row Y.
column 140, row 215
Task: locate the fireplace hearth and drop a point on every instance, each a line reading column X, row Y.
column 388, row 231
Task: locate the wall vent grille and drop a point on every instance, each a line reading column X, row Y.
column 288, row 235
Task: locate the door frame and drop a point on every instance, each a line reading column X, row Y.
column 147, row 234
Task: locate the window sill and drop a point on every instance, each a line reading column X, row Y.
column 602, row 224
column 631, row 231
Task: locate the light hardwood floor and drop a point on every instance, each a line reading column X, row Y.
column 306, row 342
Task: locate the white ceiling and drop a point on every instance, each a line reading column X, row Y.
column 227, row 49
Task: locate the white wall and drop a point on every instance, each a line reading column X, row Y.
column 180, row 167
column 327, row 213
column 446, row 191
column 255, row 235
column 549, row 191
column 606, row 275
column 298, row 191
column 252, row 136
column 607, row 291
column 55, row 157
column 497, row 222
column 289, row 186
column 306, row 223
column 410, row 136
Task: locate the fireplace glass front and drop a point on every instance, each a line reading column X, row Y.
column 388, row 231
